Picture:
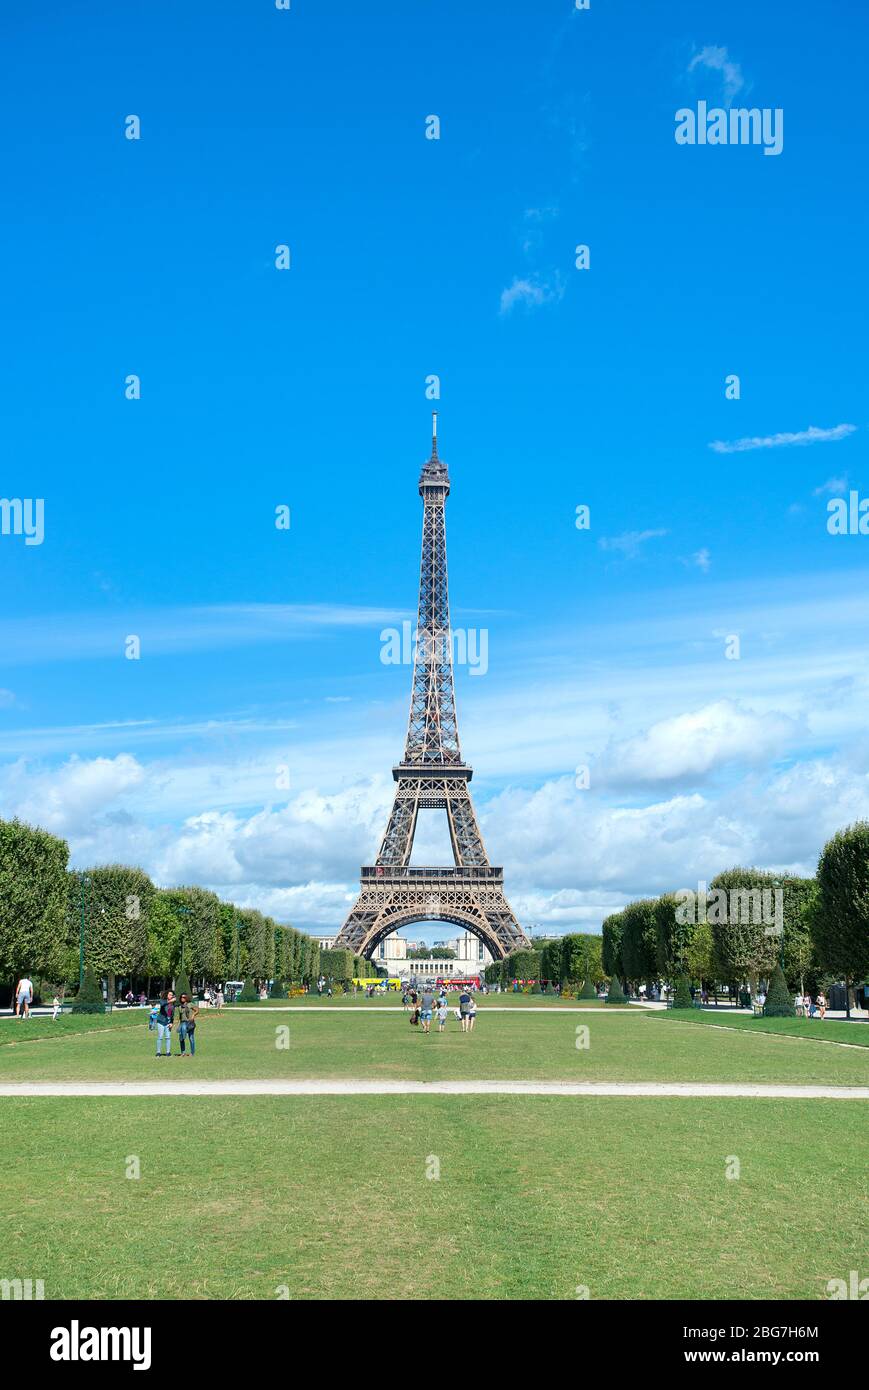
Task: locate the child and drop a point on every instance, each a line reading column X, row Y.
column 152, row 1018
column 442, row 1014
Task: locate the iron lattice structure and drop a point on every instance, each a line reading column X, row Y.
column 469, row 894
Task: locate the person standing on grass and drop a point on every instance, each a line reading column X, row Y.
column 188, row 1014
column 442, row 1013
column 425, row 1010
column 464, row 1009
column 23, row 997
column 472, row 1014
column 798, row 1005
column 163, row 1021
column 55, row 1008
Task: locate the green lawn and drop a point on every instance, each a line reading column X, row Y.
column 329, row 1197
column 393, row 1000
column 377, row 1044
column 832, row 1029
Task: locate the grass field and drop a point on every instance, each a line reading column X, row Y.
column 378, row 1045
column 536, row 1196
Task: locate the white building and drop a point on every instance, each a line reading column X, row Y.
column 471, row 957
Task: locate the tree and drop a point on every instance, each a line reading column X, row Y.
column 550, row 960
column 337, row 965
column 182, row 985
column 611, row 939
column 839, row 920
column 163, row 937
column 778, row 1002
column 739, row 910
column 277, row 990
column 33, row 896
column 248, row 993
column 588, row 990
column 639, row 940
column 523, row 965
column 118, row 900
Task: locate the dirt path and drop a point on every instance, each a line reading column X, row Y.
column 191, row 1087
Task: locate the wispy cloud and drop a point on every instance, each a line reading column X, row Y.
column 629, row 542
column 702, row 559
column 832, row 485
column 531, row 293
column 76, row 636
column 719, row 60
column 775, row 441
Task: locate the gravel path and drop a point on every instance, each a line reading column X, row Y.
column 191, row 1087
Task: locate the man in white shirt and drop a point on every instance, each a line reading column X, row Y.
column 23, row 997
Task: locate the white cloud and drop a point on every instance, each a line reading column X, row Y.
column 629, row 542
column 719, row 60
column 531, row 293
column 692, row 745
column 812, row 435
column 835, row 486
column 702, row 559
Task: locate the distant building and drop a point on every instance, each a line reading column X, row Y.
column 471, row 956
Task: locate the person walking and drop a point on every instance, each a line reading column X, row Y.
column 163, row 1021
column 798, row 1005
column 822, row 1004
column 464, row 1009
column 188, row 1013
column 442, row 1012
column 426, row 1004
column 55, row 1008
column 23, row 997
column 472, row 1014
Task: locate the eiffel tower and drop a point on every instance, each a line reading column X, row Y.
column 469, row 894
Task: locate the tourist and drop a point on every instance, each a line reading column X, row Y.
column 798, row 1005
column 188, row 1013
column 822, row 1004
column 442, row 1012
column 464, row 1008
column 426, row 1005
column 55, row 1008
column 472, row 1015
column 23, row 997
column 809, row 1005
column 163, row 1021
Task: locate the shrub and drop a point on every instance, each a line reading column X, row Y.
column 615, row 993
column 182, row 984
column 682, row 997
column 248, row 994
column 89, row 999
column 278, row 991
column 588, row 991
column 779, row 1003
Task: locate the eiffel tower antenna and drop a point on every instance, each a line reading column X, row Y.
column 434, row 434
column 432, row 774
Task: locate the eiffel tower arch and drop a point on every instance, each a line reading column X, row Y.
column 432, row 775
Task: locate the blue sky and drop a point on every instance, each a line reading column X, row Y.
column 306, row 387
